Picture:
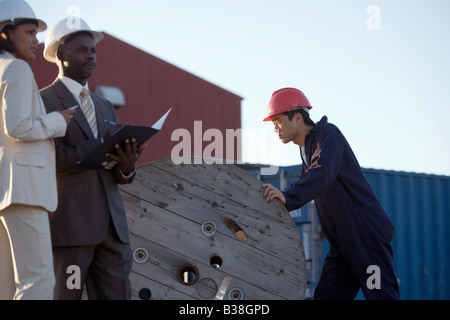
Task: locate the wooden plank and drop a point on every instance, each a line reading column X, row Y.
column 227, row 180
column 171, row 210
column 160, row 291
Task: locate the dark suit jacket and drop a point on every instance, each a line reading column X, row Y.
column 87, row 198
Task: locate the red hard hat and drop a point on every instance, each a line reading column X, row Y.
column 284, row 100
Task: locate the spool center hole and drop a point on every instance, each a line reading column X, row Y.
column 188, row 274
column 215, row 262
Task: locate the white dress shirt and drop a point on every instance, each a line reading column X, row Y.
column 75, row 88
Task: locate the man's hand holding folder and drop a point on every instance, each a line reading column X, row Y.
column 127, row 160
column 122, row 145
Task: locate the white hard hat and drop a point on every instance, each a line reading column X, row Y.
column 13, row 11
column 60, row 31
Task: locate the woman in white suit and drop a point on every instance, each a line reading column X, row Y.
column 27, row 161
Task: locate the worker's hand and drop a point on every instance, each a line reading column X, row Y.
column 273, row 193
column 126, row 159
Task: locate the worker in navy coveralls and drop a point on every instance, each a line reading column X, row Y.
column 356, row 226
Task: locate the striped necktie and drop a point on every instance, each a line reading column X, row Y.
column 88, row 110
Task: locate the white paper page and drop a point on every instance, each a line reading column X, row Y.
column 158, row 124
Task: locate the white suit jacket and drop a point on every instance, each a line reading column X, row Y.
column 27, row 151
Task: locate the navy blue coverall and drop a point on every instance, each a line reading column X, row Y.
column 356, row 226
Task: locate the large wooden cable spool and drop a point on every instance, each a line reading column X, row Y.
column 201, row 231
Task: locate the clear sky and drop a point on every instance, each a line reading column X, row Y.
column 379, row 69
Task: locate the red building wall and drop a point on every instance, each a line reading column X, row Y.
column 151, row 86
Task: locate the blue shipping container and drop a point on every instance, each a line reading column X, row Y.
column 419, row 206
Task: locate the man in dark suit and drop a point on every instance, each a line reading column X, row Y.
column 89, row 228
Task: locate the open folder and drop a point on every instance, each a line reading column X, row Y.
column 117, row 134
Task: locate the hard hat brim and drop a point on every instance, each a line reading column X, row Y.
column 269, row 117
column 42, row 26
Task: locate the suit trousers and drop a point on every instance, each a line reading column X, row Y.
column 26, row 263
column 104, row 268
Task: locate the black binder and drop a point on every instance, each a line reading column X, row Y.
column 117, row 134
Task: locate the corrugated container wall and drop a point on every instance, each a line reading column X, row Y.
column 419, row 207
column 151, row 86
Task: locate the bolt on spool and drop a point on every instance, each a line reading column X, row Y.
column 209, row 228
column 235, row 294
column 140, row 255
